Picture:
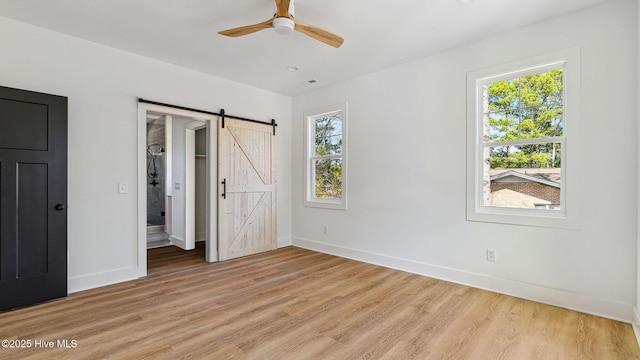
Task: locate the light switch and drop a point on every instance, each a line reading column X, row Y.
column 123, row 188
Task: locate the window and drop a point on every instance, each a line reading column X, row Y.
column 326, row 160
column 520, row 118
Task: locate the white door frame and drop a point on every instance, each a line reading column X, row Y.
column 190, row 182
column 212, row 188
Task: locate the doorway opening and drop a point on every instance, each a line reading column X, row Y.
column 157, row 209
column 177, row 175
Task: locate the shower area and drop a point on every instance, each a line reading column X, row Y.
column 157, row 231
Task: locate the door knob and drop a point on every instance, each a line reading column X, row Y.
column 60, row 207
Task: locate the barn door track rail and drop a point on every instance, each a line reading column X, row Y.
column 222, row 113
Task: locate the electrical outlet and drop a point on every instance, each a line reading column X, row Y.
column 492, row 255
column 325, row 229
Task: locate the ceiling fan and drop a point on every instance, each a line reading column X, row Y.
column 284, row 23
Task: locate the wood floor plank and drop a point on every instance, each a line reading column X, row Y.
column 293, row 303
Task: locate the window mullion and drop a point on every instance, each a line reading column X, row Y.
column 326, row 157
column 535, row 141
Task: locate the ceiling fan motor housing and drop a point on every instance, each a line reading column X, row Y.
column 283, row 25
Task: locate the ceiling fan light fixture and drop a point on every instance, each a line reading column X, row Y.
column 283, row 22
column 283, row 25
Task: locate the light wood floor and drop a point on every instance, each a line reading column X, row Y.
column 298, row 304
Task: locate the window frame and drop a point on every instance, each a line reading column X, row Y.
column 310, row 117
column 568, row 216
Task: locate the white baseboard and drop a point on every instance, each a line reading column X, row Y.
column 636, row 323
column 178, row 242
column 284, row 242
column 152, row 229
column 562, row 298
column 91, row 281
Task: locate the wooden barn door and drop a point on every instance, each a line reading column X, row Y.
column 247, row 203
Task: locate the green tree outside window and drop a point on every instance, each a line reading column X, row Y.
column 328, row 145
column 529, row 107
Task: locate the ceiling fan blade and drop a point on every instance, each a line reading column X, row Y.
column 283, row 8
column 318, row 34
column 246, row 30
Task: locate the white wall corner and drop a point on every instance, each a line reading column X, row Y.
column 284, row 242
column 565, row 299
column 95, row 280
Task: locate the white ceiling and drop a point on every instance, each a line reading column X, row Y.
column 378, row 34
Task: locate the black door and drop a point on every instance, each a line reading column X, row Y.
column 33, row 197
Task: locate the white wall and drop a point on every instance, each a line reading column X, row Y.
column 407, row 131
column 102, row 84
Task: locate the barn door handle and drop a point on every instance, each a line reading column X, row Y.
column 59, row 207
column 224, row 188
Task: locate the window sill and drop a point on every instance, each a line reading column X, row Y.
column 326, row 204
column 524, row 217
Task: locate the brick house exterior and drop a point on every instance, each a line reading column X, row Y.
column 525, row 188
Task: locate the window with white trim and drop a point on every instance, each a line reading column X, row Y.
column 520, row 118
column 326, row 159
